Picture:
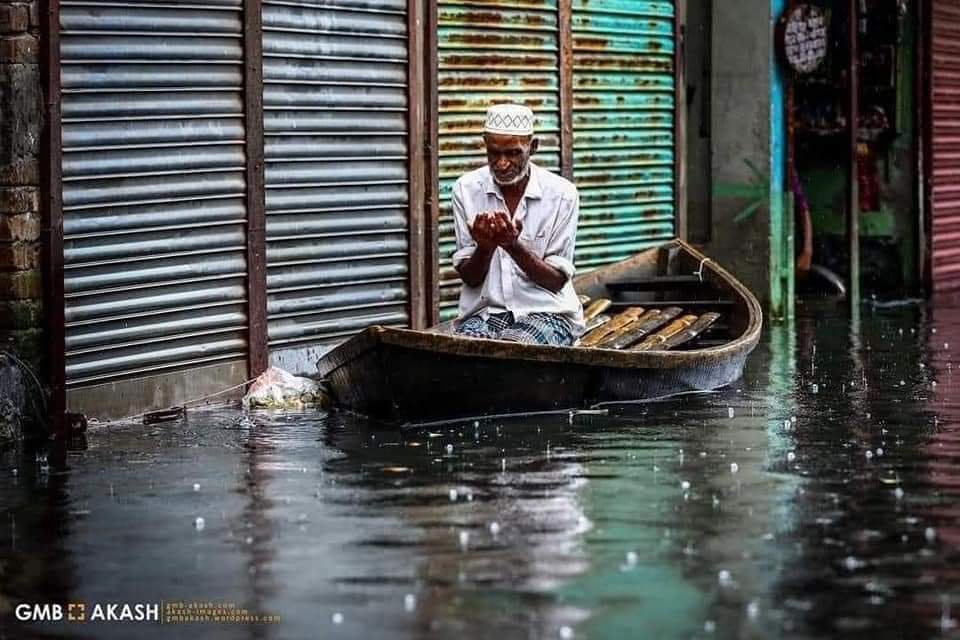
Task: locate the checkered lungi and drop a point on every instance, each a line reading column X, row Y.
column 536, row 328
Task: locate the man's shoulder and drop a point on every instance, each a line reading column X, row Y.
column 471, row 178
column 552, row 183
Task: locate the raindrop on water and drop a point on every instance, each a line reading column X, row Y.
column 724, row 578
column 199, row 524
column 449, row 449
column 566, row 633
column 898, row 493
column 734, row 467
column 196, row 486
column 753, row 610
column 709, row 626
column 464, row 539
column 337, row 618
column 685, row 485
column 409, row 602
column 930, row 534
column 730, row 412
column 791, row 456
column 453, row 495
column 494, row 528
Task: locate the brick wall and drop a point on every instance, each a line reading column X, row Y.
column 21, row 114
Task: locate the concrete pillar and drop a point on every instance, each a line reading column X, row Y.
column 21, row 286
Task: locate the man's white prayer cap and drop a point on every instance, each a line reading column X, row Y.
column 509, row 119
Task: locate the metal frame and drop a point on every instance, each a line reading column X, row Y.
column 565, row 35
column 419, row 216
column 853, row 194
column 431, row 162
column 51, row 189
column 258, row 352
column 923, row 130
column 679, row 120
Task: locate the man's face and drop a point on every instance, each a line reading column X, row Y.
column 509, row 156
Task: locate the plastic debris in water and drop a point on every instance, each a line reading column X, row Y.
column 409, row 602
column 734, row 467
column 453, row 495
column 566, row 633
column 464, row 539
column 199, row 524
column 337, row 618
column 730, row 412
column 494, row 529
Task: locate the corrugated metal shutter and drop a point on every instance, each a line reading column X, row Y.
column 335, row 122
column 945, row 172
column 490, row 52
column 153, row 185
column 623, row 118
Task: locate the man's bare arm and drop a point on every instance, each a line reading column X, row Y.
column 474, row 269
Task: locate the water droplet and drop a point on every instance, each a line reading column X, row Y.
column 494, row 528
column 685, row 485
column 730, row 412
column 880, row 451
column 632, row 558
column 14, row 472
column 449, row 449
column 724, row 578
column 196, row 486
column 409, row 602
column 815, row 388
column 476, row 424
column 464, row 539
column 791, row 456
column 869, row 454
column 453, row 495
column 753, row 610
column 709, row 626
column 898, row 493
column 734, row 467
column 566, row 633
column 337, row 618
column 199, row 524
column 930, row 534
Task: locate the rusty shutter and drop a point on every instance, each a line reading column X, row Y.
column 945, row 157
column 335, row 123
column 153, row 188
column 623, row 126
column 490, row 52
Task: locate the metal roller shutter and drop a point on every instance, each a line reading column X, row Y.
column 623, row 119
column 153, row 187
column 335, row 126
column 490, row 52
column 945, row 170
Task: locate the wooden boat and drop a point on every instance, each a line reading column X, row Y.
column 409, row 377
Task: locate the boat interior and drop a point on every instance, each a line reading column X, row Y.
column 668, row 298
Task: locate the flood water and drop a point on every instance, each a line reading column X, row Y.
column 816, row 498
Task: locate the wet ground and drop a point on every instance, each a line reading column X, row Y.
column 817, row 498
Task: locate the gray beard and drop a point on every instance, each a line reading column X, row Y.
column 520, row 177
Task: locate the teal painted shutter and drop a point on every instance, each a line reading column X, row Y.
column 623, row 123
column 490, row 53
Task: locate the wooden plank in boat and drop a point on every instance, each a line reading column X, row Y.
column 657, row 340
column 660, row 283
column 595, row 309
column 644, row 326
column 618, row 322
column 683, row 304
column 699, row 326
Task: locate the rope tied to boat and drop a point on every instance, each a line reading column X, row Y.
column 699, row 271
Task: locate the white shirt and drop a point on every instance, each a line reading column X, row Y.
column 548, row 212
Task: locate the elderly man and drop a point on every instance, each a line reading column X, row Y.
column 515, row 226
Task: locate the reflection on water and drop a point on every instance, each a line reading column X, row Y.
column 815, row 498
